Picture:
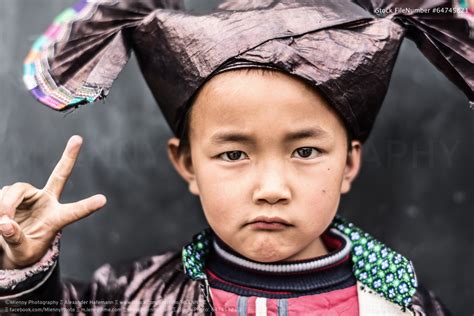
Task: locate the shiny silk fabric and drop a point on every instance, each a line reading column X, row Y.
column 153, row 285
column 344, row 49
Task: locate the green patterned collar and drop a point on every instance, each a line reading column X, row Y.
column 375, row 265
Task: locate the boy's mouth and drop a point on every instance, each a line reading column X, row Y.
column 268, row 223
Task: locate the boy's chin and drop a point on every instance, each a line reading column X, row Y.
column 267, row 259
column 266, row 254
column 284, row 246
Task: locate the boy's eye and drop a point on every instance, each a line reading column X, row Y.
column 233, row 155
column 306, row 152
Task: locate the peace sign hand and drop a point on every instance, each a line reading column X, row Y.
column 30, row 218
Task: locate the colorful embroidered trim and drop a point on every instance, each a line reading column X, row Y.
column 36, row 68
column 194, row 255
column 375, row 265
column 380, row 268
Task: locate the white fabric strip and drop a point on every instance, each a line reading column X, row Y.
column 261, row 306
column 371, row 303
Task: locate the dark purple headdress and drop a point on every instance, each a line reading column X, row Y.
column 345, row 49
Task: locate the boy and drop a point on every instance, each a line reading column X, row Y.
column 268, row 156
column 269, row 176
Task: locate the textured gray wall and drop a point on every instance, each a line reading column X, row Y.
column 415, row 191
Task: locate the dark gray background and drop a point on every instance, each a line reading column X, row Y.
column 415, row 190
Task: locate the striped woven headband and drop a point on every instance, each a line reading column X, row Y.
column 36, row 69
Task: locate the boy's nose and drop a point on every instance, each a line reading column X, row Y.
column 272, row 187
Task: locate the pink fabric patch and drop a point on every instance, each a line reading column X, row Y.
column 225, row 303
column 342, row 302
column 338, row 302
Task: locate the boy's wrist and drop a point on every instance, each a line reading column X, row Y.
column 15, row 279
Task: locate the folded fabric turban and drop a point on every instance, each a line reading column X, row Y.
column 345, row 49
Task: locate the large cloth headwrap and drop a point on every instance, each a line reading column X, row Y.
column 345, row 49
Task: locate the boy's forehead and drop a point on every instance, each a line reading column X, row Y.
column 241, row 80
column 243, row 91
column 240, row 98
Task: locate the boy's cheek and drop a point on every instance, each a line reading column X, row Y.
column 318, row 189
column 224, row 204
column 222, row 193
column 317, row 204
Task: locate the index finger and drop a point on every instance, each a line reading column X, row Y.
column 63, row 169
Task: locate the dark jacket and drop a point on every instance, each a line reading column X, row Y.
column 169, row 284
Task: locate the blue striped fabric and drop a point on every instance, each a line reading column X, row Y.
column 283, row 307
column 242, row 306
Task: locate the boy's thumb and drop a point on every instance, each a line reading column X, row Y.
column 11, row 232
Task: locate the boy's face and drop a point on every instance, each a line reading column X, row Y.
column 266, row 145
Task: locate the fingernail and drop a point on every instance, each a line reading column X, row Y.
column 76, row 138
column 4, row 219
column 7, row 229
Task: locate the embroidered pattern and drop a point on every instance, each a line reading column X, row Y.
column 194, row 255
column 380, row 268
column 375, row 265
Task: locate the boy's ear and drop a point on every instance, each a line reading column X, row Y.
column 183, row 164
column 353, row 162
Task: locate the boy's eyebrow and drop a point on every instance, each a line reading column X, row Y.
column 223, row 137
column 236, row 137
column 315, row 132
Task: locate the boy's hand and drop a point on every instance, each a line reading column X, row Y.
column 30, row 218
